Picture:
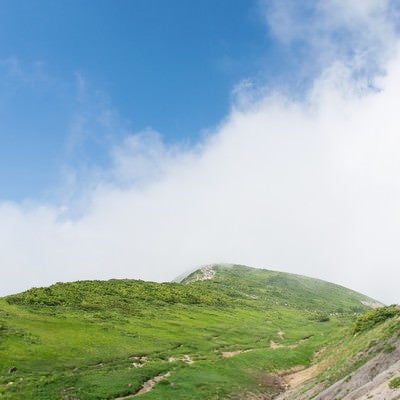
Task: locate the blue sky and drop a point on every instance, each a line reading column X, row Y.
column 144, row 138
column 170, row 66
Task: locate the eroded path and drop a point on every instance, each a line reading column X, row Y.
column 147, row 386
column 228, row 354
column 286, row 379
column 300, row 375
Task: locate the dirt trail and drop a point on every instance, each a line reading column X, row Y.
column 274, row 345
column 147, row 386
column 300, row 375
column 294, row 378
column 185, row 358
column 228, row 354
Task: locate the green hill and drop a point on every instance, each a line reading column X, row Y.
column 223, row 332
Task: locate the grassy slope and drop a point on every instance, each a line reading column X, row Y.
column 85, row 335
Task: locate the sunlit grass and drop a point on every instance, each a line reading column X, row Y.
column 81, row 338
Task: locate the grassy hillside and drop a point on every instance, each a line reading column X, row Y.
column 205, row 339
column 293, row 291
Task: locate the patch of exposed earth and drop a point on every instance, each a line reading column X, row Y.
column 228, row 354
column 185, row 358
column 147, row 386
column 205, row 273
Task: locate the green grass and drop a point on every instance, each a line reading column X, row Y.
column 85, row 336
column 395, row 383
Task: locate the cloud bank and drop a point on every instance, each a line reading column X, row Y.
column 309, row 186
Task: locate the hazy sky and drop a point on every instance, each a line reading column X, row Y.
column 142, row 139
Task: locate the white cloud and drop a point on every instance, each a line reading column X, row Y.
column 361, row 33
column 309, row 187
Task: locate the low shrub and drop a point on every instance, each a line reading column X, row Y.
column 395, row 383
column 374, row 317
